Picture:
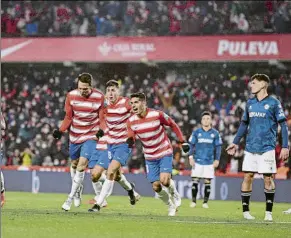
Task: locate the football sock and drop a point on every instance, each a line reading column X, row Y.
column 106, row 191
column 270, row 194
column 78, row 180
column 194, row 190
column 245, row 199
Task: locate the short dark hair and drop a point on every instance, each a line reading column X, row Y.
column 140, row 96
column 206, row 113
column 112, row 83
column 85, row 78
column 261, row 77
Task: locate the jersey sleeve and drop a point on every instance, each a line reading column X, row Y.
column 130, row 132
column 279, row 113
column 168, row 121
column 245, row 116
column 127, row 104
column 69, row 115
column 193, row 139
column 217, row 140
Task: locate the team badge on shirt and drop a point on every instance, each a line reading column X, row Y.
column 212, row 135
column 267, row 106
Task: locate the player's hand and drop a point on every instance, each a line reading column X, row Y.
column 57, row 134
column 130, row 142
column 284, row 154
column 231, row 149
column 185, row 147
column 99, row 134
column 191, row 160
column 215, row 163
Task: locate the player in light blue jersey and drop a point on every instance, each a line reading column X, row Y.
column 205, row 144
column 259, row 123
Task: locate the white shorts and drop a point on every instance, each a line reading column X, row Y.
column 261, row 163
column 203, row 171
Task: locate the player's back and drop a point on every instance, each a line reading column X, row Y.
column 85, row 122
column 205, row 143
column 116, row 118
column 263, row 118
column 152, row 134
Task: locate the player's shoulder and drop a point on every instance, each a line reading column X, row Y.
column 214, row 130
column 74, row 92
column 123, row 100
column 154, row 112
column 251, row 100
column 196, row 131
column 98, row 92
column 273, row 100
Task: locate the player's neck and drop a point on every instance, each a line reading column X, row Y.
column 143, row 113
column 262, row 94
column 115, row 101
column 206, row 128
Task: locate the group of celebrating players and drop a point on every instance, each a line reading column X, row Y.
column 103, row 130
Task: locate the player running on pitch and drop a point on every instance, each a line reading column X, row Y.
column 147, row 125
column 83, row 120
column 116, row 114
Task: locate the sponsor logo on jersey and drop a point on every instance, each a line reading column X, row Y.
column 257, row 114
column 204, row 140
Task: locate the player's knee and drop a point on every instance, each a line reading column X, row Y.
column 74, row 164
column 117, row 176
column 165, row 181
column 81, row 167
column 157, row 187
column 268, row 180
column 110, row 174
column 95, row 175
column 207, row 181
column 248, row 177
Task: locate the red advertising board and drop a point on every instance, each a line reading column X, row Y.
column 136, row 49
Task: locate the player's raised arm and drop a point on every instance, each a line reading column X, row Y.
column 231, row 149
column 66, row 123
column 168, row 121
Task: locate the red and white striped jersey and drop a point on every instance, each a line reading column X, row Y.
column 102, row 143
column 151, row 132
column 82, row 115
column 116, row 116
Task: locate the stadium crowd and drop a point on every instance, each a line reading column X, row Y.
column 139, row 18
column 33, row 103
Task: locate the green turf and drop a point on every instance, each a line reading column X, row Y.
column 39, row 215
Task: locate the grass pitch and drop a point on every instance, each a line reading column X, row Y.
column 30, row 215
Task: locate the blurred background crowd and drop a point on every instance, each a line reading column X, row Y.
column 143, row 18
column 33, row 98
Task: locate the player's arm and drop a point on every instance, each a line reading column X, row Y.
column 168, row 121
column 218, row 147
column 281, row 119
column 130, row 135
column 66, row 123
column 192, row 142
column 231, row 149
column 103, row 127
column 3, row 124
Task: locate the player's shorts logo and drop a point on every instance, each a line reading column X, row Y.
column 266, row 106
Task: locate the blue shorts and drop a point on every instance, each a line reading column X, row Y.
column 157, row 166
column 84, row 149
column 120, row 153
column 99, row 157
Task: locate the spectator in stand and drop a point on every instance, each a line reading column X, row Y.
column 133, row 18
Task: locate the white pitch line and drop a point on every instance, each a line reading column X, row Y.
column 231, row 223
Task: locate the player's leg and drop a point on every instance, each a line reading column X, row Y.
column 267, row 167
column 269, row 194
column 207, row 190
column 196, row 174
column 2, row 190
column 208, row 174
column 250, row 166
column 98, row 164
column 166, row 165
column 195, row 183
column 86, row 150
column 128, row 186
column 153, row 175
column 74, row 151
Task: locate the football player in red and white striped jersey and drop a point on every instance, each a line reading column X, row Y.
column 148, row 125
column 84, row 108
column 117, row 111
